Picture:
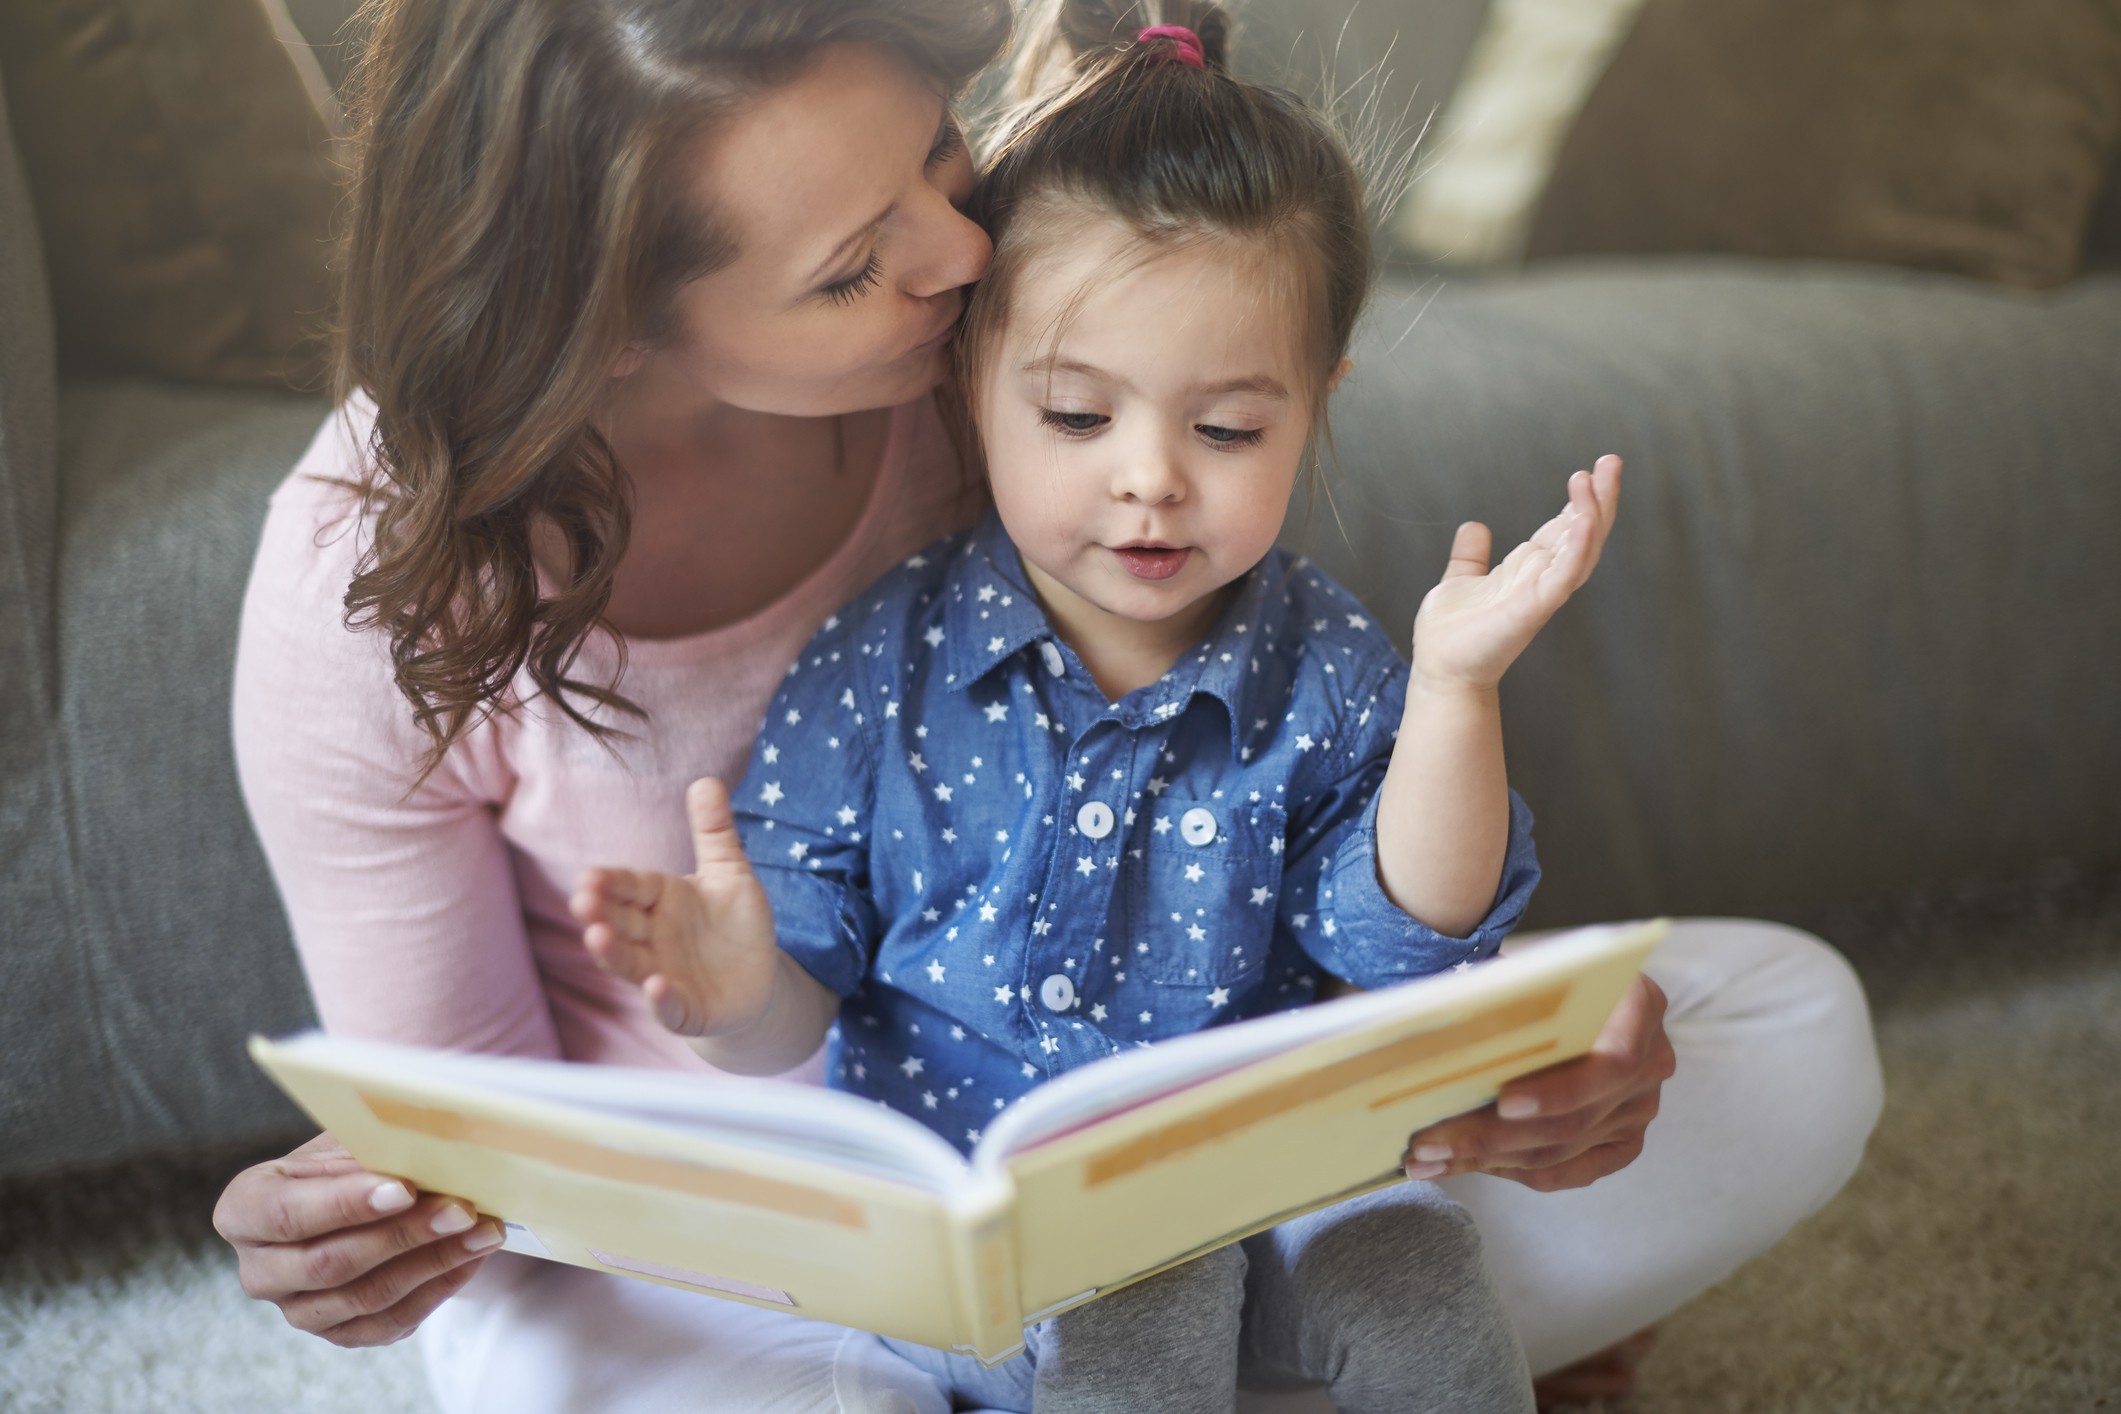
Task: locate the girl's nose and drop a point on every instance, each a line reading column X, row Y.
column 1149, row 476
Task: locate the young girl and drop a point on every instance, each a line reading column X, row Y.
column 1111, row 768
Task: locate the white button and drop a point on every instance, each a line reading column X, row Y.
column 1095, row 820
column 1197, row 826
column 1051, row 654
column 1057, row 992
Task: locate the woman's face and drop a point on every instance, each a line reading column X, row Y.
column 840, row 190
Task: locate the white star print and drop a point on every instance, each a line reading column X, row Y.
column 793, row 716
column 1040, row 927
column 798, row 850
column 994, row 645
column 1163, row 824
column 1193, row 874
column 1003, row 994
column 1048, row 1044
column 931, row 915
column 986, row 913
column 916, row 763
column 847, row 815
column 1357, row 621
column 890, row 710
column 1097, row 1012
column 773, row 793
column 1083, row 865
column 772, row 754
column 934, row 636
column 957, row 1033
column 1304, row 742
column 942, row 790
column 935, row 970
column 1219, row 997
column 1196, row 932
column 1144, row 1018
column 1075, row 780
column 912, row 1065
column 997, row 711
column 928, row 1099
column 1260, row 895
column 986, row 593
column 1157, row 785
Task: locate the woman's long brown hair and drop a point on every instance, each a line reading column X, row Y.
column 517, row 219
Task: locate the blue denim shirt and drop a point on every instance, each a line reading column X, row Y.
column 1004, row 876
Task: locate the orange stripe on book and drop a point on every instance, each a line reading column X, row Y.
column 1294, row 1093
column 1442, row 1080
column 796, row 1199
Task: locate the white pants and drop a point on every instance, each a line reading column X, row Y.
column 1776, row 1091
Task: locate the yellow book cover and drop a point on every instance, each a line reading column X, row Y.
column 808, row 1200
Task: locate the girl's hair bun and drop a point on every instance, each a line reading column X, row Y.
column 1059, row 36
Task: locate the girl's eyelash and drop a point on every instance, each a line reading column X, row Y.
column 1063, row 422
column 1231, row 436
column 860, row 283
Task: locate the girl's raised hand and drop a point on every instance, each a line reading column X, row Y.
column 1476, row 620
column 701, row 948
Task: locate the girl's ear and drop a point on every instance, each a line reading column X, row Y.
column 629, row 362
column 1340, row 371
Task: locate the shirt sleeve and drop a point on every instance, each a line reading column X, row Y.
column 402, row 898
column 804, row 809
column 1332, row 901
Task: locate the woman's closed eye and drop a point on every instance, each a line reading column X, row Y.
column 949, row 142
column 860, row 283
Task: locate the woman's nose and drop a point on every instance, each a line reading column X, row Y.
column 954, row 252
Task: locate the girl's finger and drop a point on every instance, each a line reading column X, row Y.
column 1470, row 549
column 670, row 1007
column 628, row 961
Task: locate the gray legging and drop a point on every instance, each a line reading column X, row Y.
column 1384, row 1299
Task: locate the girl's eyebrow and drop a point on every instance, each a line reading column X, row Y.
column 1258, row 384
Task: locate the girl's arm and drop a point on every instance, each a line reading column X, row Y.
column 1443, row 815
column 703, row 951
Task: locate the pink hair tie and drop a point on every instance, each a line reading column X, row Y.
column 1185, row 40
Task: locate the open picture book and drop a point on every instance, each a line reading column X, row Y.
column 801, row 1198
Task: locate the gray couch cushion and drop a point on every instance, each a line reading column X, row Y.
column 175, row 946
column 1857, row 625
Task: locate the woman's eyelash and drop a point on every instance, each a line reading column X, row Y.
column 948, row 143
column 860, row 283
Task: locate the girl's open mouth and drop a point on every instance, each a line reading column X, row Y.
column 1152, row 561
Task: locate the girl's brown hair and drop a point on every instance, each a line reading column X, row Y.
column 517, row 219
column 1114, row 125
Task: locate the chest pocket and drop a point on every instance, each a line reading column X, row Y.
column 1194, row 869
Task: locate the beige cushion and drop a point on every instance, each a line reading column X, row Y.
column 177, row 161
column 1960, row 135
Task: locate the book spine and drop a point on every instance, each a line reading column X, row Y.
column 983, row 1264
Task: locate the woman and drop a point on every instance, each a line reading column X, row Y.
column 642, row 303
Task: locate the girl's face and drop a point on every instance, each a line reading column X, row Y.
column 1143, row 459
column 840, row 190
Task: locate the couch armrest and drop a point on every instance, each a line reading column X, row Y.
column 1856, row 628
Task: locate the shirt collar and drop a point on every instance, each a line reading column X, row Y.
column 990, row 615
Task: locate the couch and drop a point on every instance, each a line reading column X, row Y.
column 1856, row 630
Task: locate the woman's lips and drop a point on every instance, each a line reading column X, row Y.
column 1152, row 561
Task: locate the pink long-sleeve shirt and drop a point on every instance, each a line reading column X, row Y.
column 439, row 917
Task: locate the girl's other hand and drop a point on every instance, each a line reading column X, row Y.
column 701, row 948
column 1476, row 621
column 1571, row 1124
column 346, row 1254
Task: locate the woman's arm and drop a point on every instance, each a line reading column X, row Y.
column 404, row 911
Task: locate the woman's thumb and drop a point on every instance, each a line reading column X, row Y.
column 714, row 837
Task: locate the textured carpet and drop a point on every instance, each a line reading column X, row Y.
column 1974, row 1263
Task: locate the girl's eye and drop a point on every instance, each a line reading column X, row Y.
column 948, row 143
column 860, row 283
column 1072, row 424
column 1231, row 436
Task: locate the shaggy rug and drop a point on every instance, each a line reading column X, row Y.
column 1974, row 1262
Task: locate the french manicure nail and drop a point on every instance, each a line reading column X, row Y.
column 1432, row 1153
column 484, row 1238
column 1517, row 1106
column 389, row 1196
column 1419, row 1171
column 451, row 1219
